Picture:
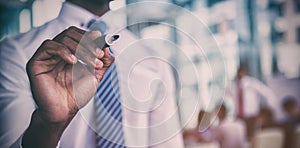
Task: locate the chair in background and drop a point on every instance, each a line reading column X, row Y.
column 268, row 138
column 297, row 137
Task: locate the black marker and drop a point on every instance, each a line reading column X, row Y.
column 106, row 40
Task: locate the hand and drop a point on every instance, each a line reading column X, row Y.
column 60, row 84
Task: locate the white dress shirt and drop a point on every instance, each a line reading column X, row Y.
column 253, row 91
column 150, row 117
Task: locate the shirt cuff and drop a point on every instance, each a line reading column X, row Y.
column 18, row 143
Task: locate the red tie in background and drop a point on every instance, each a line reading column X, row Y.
column 240, row 112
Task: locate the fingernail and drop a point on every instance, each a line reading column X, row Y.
column 98, row 62
column 98, row 51
column 74, row 59
column 96, row 33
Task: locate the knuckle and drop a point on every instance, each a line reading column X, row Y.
column 65, row 39
column 28, row 66
column 64, row 32
column 61, row 47
column 69, row 32
column 46, row 42
column 110, row 60
column 72, row 28
column 62, row 52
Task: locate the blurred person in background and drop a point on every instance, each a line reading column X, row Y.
column 38, row 107
column 292, row 121
column 246, row 93
column 292, row 109
column 265, row 119
column 230, row 133
column 191, row 136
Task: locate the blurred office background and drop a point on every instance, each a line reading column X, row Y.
column 264, row 34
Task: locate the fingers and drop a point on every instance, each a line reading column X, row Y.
column 88, row 43
column 89, row 55
column 81, row 43
column 107, row 59
column 71, row 46
column 50, row 49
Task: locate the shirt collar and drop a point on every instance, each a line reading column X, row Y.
column 74, row 15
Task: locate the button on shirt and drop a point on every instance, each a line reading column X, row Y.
column 149, row 116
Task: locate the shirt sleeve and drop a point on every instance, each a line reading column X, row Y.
column 18, row 143
column 164, row 120
column 16, row 103
column 268, row 94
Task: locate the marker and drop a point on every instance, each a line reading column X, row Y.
column 106, row 40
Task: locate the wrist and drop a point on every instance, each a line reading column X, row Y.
column 42, row 133
column 39, row 119
column 54, row 118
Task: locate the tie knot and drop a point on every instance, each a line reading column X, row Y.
column 94, row 24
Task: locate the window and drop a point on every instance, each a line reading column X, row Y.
column 25, row 23
column 297, row 6
column 45, row 10
column 298, row 34
column 210, row 3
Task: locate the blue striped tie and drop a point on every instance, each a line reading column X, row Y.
column 108, row 112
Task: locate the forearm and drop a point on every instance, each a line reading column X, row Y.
column 41, row 133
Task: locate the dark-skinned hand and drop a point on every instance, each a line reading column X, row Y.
column 60, row 84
